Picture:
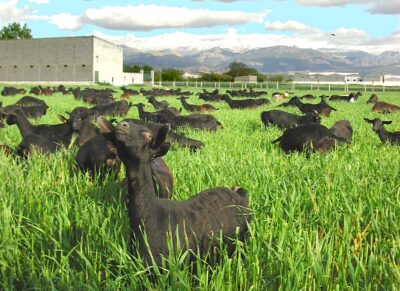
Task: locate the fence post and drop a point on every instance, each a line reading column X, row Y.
column 311, row 86
column 277, row 85
column 365, row 87
column 173, row 84
column 329, row 87
column 201, row 84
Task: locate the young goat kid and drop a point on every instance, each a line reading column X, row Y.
column 197, row 222
column 384, row 135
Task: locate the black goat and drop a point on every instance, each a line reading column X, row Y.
column 34, row 111
column 287, row 120
column 384, row 135
column 197, row 222
column 196, row 121
column 349, row 98
column 342, row 131
column 158, row 105
column 12, row 91
column 31, row 101
column 322, row 108
column 162, row 105
column 291, row 102
column 373, row 99
column 195, row 108
column 116, row 108
column 242, row 104
column 307, row 137
column 98, row 156
column 173, row 137
column 60, row 134
column 36, row 143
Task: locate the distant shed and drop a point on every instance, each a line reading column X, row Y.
column 246, row 79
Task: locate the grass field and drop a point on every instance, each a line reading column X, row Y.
column 331, row 221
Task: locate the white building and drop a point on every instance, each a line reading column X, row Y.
column 245, row 79
column 85, row 59
column 188, row 75
column 326, row 77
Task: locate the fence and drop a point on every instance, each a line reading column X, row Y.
column 283, row 86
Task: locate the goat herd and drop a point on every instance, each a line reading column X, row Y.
column 140, row 145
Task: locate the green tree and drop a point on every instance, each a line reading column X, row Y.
column 168, row 75
column 277, row 78
column 237, row 69
column 14, row 30
column 132, row 68
column 215, row 77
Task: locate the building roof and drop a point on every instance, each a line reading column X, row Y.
column 64, row 37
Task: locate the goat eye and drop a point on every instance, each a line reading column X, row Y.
column 124, row 124
column 148, row 136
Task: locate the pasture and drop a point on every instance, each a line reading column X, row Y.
column 330, row 221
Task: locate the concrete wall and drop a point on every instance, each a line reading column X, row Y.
column 131, row 78
column 68, row 59
column 108, row 62
column 64, row 60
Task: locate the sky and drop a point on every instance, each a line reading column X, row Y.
column 368, row 25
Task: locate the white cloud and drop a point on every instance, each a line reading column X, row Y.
column 377, row 6
column 331, row 2
column 349, row 36
column 387, row 7
column 149, row 17
column 39, row 1
column 9, row 12
column 66, row 21
column 290, row 25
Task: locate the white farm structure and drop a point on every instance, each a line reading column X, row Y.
column 85, row 59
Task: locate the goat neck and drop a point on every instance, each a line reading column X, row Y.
column 24, row 126
column 383, row 134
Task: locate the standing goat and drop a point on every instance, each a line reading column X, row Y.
column 196, row 222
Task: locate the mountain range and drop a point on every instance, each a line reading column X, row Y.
column 276, row 59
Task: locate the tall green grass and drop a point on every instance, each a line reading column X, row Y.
column 331, row 221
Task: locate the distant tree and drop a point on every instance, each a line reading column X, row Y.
column 276, row 78
column 215, row 77
column 132, row 68
column 168, row 75
column 237, row 69
column 137, row 68
column 14, row 30
column 147, row 68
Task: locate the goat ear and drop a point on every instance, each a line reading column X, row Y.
column 159, row 140
column 62, row 118
column 105, row 125
column 162, row 150
column 368, row 120
column 386, row 122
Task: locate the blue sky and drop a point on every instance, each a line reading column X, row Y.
column 371, row 25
